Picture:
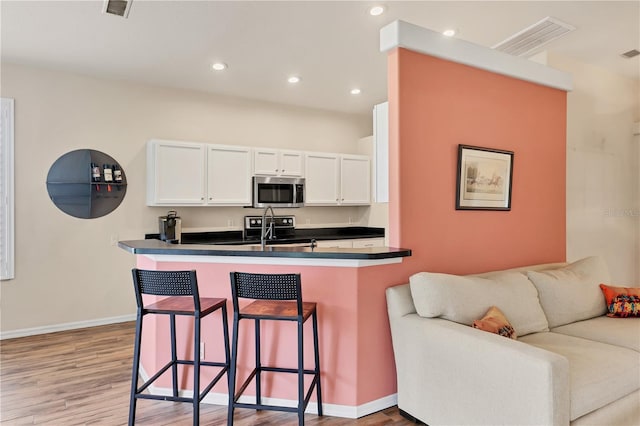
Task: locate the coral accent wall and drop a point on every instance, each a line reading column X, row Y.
column 434, row 106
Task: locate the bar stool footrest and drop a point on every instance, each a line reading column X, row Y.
column 266, row 407
column 258, row 370
column 212, row 383
column 285, row 370
column 165, row 398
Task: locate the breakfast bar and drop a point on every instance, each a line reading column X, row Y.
column 348, row 285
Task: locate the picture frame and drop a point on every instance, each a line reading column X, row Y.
column 484, row 178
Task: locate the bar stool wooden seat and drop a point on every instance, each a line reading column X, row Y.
column 276, row 297
column 181, row 287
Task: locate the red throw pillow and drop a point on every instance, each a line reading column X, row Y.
column 610, row 292
column 494, row 321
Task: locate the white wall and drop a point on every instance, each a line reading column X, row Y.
column 602, row 168
column 67, row 269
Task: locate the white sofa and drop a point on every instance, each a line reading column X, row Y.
column 571, row 364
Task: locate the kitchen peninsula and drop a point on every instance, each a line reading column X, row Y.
column 356, row 359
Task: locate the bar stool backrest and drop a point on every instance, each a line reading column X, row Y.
column 266, row 287
column 166, row 283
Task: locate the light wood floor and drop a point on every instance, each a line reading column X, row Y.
column 82, row 377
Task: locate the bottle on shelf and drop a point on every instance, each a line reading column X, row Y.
column 95, row 172
column 117, row 173
column 108, row 175
column 107, row 172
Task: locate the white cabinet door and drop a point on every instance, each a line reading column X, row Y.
column 266, row 162
column 336, row 243
column 273, row 162
column 176, row 173
column 322, row 175
column 291, row 163
column 355, row 179
column 368, row 242
column 381, row 152
column 229, row 175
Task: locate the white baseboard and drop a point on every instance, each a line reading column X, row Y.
column 333, row 410
column 64, row 327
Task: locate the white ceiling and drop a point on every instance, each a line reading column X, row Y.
column 332, row 45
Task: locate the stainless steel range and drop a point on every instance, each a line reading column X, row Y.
column 283, row 227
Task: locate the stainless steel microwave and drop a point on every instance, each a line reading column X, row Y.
column 278, row 191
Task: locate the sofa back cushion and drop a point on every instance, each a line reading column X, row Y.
column 463, row 299
column 572, row 293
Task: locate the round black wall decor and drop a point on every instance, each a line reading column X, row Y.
column 86, row 183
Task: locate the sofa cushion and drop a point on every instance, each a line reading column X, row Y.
column 463, row 299
column 598, row 373
column 623, row 332
column 572, row 293
column 495, row 322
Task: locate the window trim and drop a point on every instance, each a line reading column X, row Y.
column 7, row 200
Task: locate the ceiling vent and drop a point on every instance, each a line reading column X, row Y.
column 117, row 7
column 631, row 54
column 525, row 42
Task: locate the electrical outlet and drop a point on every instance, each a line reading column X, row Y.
column 307, row 221
column 114, row 239
column 350, row 220
column 201, row 350
column 229, row 223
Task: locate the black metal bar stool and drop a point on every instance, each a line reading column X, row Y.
column 278, row 297
column 181, row 287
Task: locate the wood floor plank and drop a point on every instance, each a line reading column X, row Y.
column 82, row 377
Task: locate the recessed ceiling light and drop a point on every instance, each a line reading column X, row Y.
column 449, row 33
column 117, row 7
column 219, row 66
column 376, row 10
column 293, row 79
column 355, row 91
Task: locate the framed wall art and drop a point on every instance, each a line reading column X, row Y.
column 484, row 178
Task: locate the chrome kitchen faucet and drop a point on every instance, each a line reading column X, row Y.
column 267, row 232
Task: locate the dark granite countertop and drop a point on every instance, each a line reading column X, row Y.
column 157, row 247
column 302, row 235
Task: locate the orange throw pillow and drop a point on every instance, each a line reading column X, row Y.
column 611, row 292
column 621, row 301
column 494, row 321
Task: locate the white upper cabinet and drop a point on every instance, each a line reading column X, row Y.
column 273, row 162
column 291, row 163
column 229, row 175
column 195, row 174
column 334, row 179
column 322, row 175
column 381, row 152
column 176, row 173
column 355, row 180
column 265, row 162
